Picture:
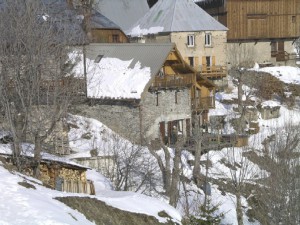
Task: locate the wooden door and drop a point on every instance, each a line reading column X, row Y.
column 162, row 130
column 280, row 53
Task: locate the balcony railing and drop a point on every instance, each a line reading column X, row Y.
column 173, row 81
column 214, row 71
column 203, row 103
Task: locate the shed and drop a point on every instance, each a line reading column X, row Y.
column 269, row 110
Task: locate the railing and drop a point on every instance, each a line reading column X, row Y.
column 203, row 103
column 214, row 71
column 173, row 81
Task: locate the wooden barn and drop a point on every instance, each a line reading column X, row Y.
column 268, row 26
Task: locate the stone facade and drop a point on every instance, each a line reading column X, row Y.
column 269, row 112
column 122, row 119
column 217, row 49
column 259, row 52
column 139, row 123
column 165, row 106
column 199, row 52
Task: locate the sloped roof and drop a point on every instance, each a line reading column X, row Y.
column 122, row 12
column 102, row 22
column 124, row 70
column 175, row 16
column 63, row 19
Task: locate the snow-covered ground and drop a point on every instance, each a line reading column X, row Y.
column 18, row 205
column 22, row 206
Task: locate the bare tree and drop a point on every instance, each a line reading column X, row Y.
column 279, row 193
column 170, row 167
column 36, row 84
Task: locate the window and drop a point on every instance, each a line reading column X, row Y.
column 208, row 60
column 115, row 38
column 208, row 39
column 191, row 61
column 157, row 99
column 191, row 40
column 176, row 97
column 293, row 19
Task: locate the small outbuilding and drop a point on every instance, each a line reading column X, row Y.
column 269, row 110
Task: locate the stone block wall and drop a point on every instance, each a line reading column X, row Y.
column 218, row 46
column 122, row 119
column 163, row 107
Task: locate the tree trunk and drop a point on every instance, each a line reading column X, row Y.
column 37, row 154
column 197, row 168
column 239, row 211
column 174, row 192
column 167, row 171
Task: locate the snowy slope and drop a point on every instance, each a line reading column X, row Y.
column 19, row 205
column 22, row 206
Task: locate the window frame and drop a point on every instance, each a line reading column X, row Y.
column 191, row 40
column 208, row 40
column 191, row 61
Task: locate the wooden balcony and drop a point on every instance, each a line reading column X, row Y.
column 173, row 81
column 203, row 103
column 214, row 71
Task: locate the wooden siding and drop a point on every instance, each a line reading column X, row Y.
column 107, row 36
column 263, row 19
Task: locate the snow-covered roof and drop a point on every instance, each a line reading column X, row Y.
column 175, row 16
column 122, row 12
column 28, row 151
column 270, row 104
column 124, row 70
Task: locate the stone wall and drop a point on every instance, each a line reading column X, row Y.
column 259, row 52
column 218, row 47
column 162, row 107
column 136, row 123
column 122, row 119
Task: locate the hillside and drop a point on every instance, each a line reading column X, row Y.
column 24, row 200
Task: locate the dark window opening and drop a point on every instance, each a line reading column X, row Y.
column 191, row 61
column 208, row 61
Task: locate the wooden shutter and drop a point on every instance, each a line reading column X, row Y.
column 162, row 130
column 196, row 62
column 280, row 53
column 203, row 63
column 213, row 59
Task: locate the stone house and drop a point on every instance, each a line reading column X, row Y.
column 265, row 29
column 144, row 92
column 200, row 39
